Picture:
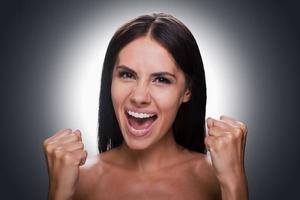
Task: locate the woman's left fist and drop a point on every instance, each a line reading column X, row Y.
column 226, row 142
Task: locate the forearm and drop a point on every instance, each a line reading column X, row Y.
column 54, row 193
column 235, row 189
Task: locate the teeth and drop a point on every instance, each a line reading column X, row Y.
column 139, row 115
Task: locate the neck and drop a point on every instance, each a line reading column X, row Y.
column 153, row 158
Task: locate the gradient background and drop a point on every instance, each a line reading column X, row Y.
column 51, row 57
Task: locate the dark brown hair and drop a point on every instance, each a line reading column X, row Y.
column 189, row 125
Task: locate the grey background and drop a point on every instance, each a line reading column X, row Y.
column 268, row 35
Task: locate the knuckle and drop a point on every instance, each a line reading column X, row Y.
column 207, row 140
column 242, row 125
column 67, row 130
column 48, row 148
column 241, row 131
column 237, row 133
column 209, row 132
column 45, row 144
column 77, row 137
column 57, row 153
column 62, row 132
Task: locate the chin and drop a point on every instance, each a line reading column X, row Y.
column 137, row 146
column 136, row 143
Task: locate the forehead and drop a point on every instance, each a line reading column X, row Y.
column 146, row 53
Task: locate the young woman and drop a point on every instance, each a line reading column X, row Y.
column 152, row 139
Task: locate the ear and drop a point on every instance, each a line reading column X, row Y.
column 186, row 96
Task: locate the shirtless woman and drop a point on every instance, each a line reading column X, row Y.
column 152, row 136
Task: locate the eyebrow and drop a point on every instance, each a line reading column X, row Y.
column 163, row 73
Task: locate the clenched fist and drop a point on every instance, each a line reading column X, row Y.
column 226, row 142
column 64, row 153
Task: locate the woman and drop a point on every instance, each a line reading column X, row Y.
column 152, row 140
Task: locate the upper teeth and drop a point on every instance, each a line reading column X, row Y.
column 140, row 115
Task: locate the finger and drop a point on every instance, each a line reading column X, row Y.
column 217, row 131
column 62, row 132
column 229, row 120
column 57, row 136
column 74, row 146
column 222, row 124
column 78, row 133
column 210, row 122
column 81, row 156
column 209, row 142
column 227, row 117
column 73, row 137
column 69, row 139
column 235, row 123
column 83, row 159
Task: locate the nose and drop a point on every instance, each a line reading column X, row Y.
column 140, row 95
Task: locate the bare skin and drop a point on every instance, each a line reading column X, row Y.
column 146, row 80
column 184, row 175
column 169, row 173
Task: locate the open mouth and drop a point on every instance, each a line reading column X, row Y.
column 140, row 123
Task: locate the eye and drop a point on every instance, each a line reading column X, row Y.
column 161, row 79
column 126, row 75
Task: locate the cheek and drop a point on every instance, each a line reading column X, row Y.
column 168, row 100
column 119, row 92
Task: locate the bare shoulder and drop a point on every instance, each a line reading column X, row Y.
column 193, row 169
column 86, row 177
column 204, row 173
column 201, row 163
column 91, row 173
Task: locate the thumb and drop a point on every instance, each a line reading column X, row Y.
column 78, row 133
column 210, row 122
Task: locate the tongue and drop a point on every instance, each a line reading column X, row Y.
column 140, row 124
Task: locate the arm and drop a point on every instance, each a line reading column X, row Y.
column 64, row 153
column 236, row 189
column 226, row 142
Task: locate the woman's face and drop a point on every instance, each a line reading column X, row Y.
column 147, row 90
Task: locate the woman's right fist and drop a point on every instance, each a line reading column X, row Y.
column 64, row 152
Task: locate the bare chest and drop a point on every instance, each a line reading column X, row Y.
column 172, row 184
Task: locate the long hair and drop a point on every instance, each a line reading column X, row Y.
column 174, row 36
